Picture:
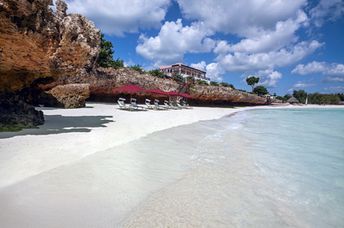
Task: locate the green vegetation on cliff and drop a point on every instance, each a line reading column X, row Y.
column 260, row 90
column 105, row 58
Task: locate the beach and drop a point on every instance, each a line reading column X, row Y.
column 99, row 166
column 72, row 134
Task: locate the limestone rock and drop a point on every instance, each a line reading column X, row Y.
column 226, row 95
column 16, row 114
column 71, row 95
column 36, row 42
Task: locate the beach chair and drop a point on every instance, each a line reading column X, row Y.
column 122, row 105
column 185, row 105
column 168, row 105
column 135, row 106
column 149, row 105
column 157, row 106
column 179, row 105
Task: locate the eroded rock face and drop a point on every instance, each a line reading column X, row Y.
column 219, row 94
column 70, row 95
column 36, row 42
column 103, row 81
column 16, row 114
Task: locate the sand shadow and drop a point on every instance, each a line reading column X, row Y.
column 57, row 124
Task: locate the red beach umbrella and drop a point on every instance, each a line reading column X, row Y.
column 185, row 95
column 157, row 91
column 172, row 93
column 128, row 89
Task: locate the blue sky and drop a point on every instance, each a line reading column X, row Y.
column 289, row 44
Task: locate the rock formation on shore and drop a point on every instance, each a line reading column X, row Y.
column 103, row 81
column 36, row 42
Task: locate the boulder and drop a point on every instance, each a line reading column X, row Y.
column 16, row 114
column 70, row 95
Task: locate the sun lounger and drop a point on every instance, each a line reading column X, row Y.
column 168, row 105
column 157, row 106
column 136, row 106
column 186, row 105
column 129, row 107
column 149, row 105
column 122, row 105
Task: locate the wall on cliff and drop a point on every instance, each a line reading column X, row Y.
column 37, row 42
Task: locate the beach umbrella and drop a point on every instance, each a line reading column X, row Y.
column 128, row 89
column 172, row 93
column 185, row 95
column 157, row 91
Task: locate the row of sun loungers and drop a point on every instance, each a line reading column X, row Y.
column 133, row 106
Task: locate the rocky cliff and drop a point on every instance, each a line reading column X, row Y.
column 37, row 42
column 103, row 81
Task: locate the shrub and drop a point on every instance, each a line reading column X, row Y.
column 178, row 78
column 157, row 73
column 260, row 90
column 190, row 80
column 201, row 82
column 301, row 95
column 225, row 84
column 214, row 83
column 137, row 68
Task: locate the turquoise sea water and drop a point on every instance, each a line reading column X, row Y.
column 261, row 168
column 301, row 154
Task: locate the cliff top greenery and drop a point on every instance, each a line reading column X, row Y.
column 105, row 58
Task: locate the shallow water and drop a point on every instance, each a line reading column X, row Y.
column 263, row 168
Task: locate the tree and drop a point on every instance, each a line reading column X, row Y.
column 105, row 57
column 225, row 84
column 260, row 90
column 157, row 73
column 301, row 95
column 178, row 78
column 212, row 83
column 251, row 81
column 341, row 96
column 137, row 68
column 201, row 82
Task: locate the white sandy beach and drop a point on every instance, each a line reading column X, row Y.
column 67, row 163
column 72, row 134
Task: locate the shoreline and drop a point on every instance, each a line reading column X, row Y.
column 72, row 134
column 125, row 184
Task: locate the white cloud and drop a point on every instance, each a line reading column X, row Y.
column 302, row 85
column 214, row 70
column 269, row 77
column 335, row 89
column 269, row 40
column 122, row 16
column 173, row 41
column 239, row 61
column 201, row 65
column 334, row 78
column 240, row 17
column 331, row 69
column 327, row 10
